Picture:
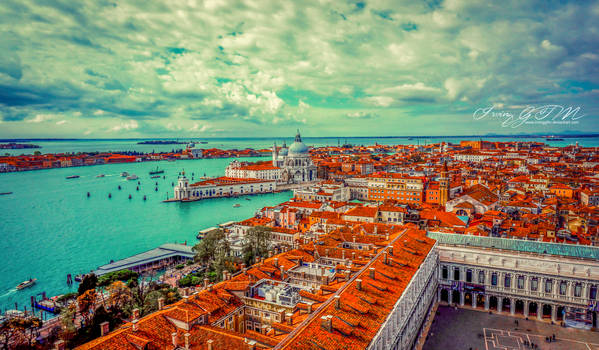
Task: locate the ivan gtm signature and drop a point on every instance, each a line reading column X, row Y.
column 547, row 114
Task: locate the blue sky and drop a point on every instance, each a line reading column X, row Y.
column 218, row 68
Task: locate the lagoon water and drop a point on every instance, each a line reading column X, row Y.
column 49, row 228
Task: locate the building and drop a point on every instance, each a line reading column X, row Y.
column 258, row 170
column 397, row 187
column 557, row 282
column 295, row 163
column 220, row 187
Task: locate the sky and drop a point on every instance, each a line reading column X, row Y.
column 218, row 68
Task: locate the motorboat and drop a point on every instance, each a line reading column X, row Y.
column 156, row 171
column 101, row 175
column 236, row 205
column 124, row 174
column 72, row 177
column 26, row 284
column 132, row 177
column 155, row 177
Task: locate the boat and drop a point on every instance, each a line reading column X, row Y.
column 26, row 284
column 156, row 171
column 124, row 174
column 79, row 278
column 5, row 193
column 132, row 177
column 155, row 177
column 203, row 142
column 236, row 205
column 72, row 177
column 47, row 305
column 248, row 199
column 101, row 175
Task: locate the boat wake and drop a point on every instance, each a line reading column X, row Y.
column 12, row 291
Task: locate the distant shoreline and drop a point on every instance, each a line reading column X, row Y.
column 569, row 136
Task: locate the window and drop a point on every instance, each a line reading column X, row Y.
column 494, row 279
column 520, row 282
column 534, row 284
column 481, row 277
column 469, row 275
column 548, row 284
column 578, row 290
column 507, row 281
column 593, row 292
column 444, row 272
column 456, row 274
column 563, row 287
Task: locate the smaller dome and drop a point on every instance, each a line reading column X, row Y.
column 283, row 151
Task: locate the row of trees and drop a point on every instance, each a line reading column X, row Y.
column 215, row 255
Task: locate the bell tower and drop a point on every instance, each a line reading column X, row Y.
column 444, row 185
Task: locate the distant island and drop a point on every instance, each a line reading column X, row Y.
column 161, row 142
column 13, row 145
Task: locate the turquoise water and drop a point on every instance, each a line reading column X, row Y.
column 49, row 228
column 59, row 146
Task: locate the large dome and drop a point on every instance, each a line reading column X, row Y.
column 298, row 147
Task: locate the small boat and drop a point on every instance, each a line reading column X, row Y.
column 129, row 196
column 203, row 142
column 144, row 197
column 155, row 177
column 72, row 177
column 248, row 199
column 109, row 195
column 132, row 177
column 79, row 278
column 5, row 193
column 88, row 194
column 156, row 189
column 156, row 171
column 119, row 187
column 236, row 205
column 101, row 175
column 124, row 174
column 137, row 188
column 26, row 284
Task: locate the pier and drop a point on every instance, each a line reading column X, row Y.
column 155, row 259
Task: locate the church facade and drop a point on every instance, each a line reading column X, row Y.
column 290, row 165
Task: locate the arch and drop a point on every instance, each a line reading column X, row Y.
column 560, row 313
column 546, row 310
column 506, row 304
column 493, row 302
column 445, row 295
column 519, row 307
column 480, row 301
column 533, row 308
column 455, row 297
column 468, row 298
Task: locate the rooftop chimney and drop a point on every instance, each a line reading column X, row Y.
column 135, row 314
column 337, row 301
column 309, row 308
column 282, row 272
column 276, row 262
column 209, row 343
column 160, row 303
column 104, row 328
column 391, row 250
column 371, row 272
column 206, row 282
column 186, row 335
column 353, row 255
column 385, row 260
column 134, row 327
column 60, row 345
column 326, row 322
column 359, row 284
column 289, row 317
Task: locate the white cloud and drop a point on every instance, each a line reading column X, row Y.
column 128, row 125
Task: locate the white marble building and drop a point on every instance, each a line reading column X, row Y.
column 295, row 163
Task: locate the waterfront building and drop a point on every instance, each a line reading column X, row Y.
column 155, row 259
column 323, row 192
column 398, row 187
column 220, row 187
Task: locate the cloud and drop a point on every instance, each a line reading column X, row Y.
column 270, row 65
column 361, row 115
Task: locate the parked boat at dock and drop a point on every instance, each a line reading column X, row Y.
column 26, row 284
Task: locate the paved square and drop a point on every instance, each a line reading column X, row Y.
column 477, row 330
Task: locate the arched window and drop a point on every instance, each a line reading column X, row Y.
column 593, row 292
column 508, row 281
column 444, row 272
column 563, row 286
column 577, row 290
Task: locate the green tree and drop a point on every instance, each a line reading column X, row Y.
column 256, row 243
column 213, row 247
column 37, row 153
column 89, row 281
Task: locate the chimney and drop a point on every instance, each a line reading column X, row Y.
column 391, row 250
column 135, row 314
column 353, row 255
column 224, row 275
column 242, row 266
column 371, row 272
column 186, row 335
column 359, row 284
column 326, row 322
column 206, row 282
column 209, row 343
column 134, row 327
column 160, row 303
column 309, row 308
column 387, row 237
column 282, row 272
column 276, row 262
column 385, row 259
column 337, row 302
column 60, row 345
column 104, row 328
column 289, row 317
column 174, row 339
column 346, row 276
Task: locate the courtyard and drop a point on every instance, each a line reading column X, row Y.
column 477, row 330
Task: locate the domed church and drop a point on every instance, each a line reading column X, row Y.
column 295, row 162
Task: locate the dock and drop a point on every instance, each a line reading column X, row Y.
column 155, row 259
